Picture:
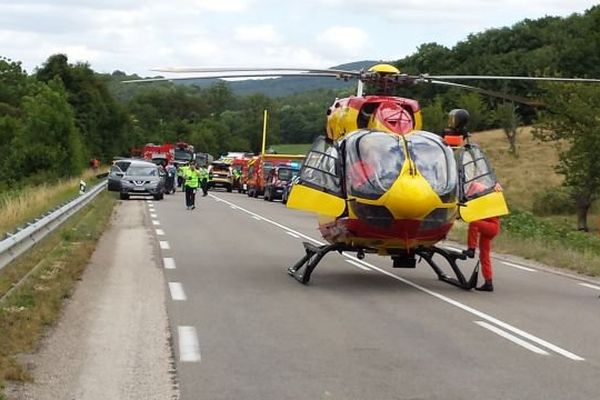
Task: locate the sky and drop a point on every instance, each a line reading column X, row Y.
column 134, row 36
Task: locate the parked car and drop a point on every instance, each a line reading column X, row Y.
column 142, row 178
column 277, row 179
column 116, row 173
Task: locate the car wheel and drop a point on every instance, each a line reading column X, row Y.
column 123, row 196
column 229, row 188
column 159, row 196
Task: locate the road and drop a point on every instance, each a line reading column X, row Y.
column 244, row 329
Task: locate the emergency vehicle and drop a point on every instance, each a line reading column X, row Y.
column 259, row 167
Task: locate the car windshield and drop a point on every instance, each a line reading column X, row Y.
column 286, row 174
column 182, row 155
column 142, row 171
column 373, row 162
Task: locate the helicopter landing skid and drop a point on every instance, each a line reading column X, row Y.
column 302, row 270
column 450, row 256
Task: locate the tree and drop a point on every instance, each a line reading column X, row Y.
column 507, row 118
column 572, row 121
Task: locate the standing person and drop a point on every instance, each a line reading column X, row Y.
column 482, row 231
column 181, row 173
column 204, row 180
column 170, row 181
column 192, row 181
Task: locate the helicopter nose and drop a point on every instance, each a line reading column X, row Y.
column 411, row 197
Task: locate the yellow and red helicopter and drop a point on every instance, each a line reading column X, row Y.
column 378, row 182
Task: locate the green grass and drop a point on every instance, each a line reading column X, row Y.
column 301, row 148
column 59, row 261
column 18, row 207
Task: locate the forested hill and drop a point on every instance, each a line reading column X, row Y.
column 57, row 118
column 274, row 87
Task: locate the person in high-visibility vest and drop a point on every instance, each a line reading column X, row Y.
column 192, row 181
column 181, row 171
column 203, row 180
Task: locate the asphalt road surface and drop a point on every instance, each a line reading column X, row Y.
column 244, row 329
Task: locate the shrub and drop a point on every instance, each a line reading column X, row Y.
column 553, row 201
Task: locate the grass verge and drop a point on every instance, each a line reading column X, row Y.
column 59, row 261
column 21, row 206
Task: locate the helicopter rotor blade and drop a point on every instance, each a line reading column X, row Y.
column 516, row 99
column 222, row 76
column 253, row 69
column 514, row 78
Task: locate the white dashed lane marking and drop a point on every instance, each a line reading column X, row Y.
column 590, row 286
column 160, row 232
column 169, row 263
column 189, row 349
column 512, row 338
column 177, row 293
column 164, row 245
column 518, row 266
column 155, row 223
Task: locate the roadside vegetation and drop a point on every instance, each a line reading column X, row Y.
column 19, row 206
column 55, row 264
column 542, row 224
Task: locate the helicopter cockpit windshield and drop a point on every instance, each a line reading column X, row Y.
column 373, row 162
column 435, row 161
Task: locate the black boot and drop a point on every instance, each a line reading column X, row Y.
column 469, row 253
column 486, row 287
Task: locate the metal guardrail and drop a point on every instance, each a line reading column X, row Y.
column 15, row 245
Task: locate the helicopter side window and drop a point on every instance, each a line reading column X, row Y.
column 435, row 161
column 321, row 167
column 478, row 178
column 373, row 163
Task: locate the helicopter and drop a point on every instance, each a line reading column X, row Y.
column 378, row 182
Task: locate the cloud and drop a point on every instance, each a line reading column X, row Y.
column 257, row 34
column 346, row 41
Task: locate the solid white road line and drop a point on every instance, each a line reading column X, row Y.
column 512, row 338
column 160, row 232
column 233, row 207
column 518, row 266
column 155, row 223
column 164, row 245
column 169, row 263
column 256, row 218
column 588, row 285
column 189, row 349
column 356, row 264
column 153, row 216
column 292, row 234
column 439, row 296
column 177, row 293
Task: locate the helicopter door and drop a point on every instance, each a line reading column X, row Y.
column 319, row 187
column 479, row 192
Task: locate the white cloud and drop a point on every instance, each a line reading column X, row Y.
column 344, row 40
column 257, row 34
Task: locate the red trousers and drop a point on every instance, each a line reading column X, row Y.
column 486, row 230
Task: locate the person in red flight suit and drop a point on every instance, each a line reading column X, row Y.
column 485, row 230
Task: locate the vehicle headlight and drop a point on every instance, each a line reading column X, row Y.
column 126, row 183
column 153, row 184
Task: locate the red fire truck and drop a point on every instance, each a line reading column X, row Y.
column 259, row 167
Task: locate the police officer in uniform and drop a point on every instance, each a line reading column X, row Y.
column 192, row 181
